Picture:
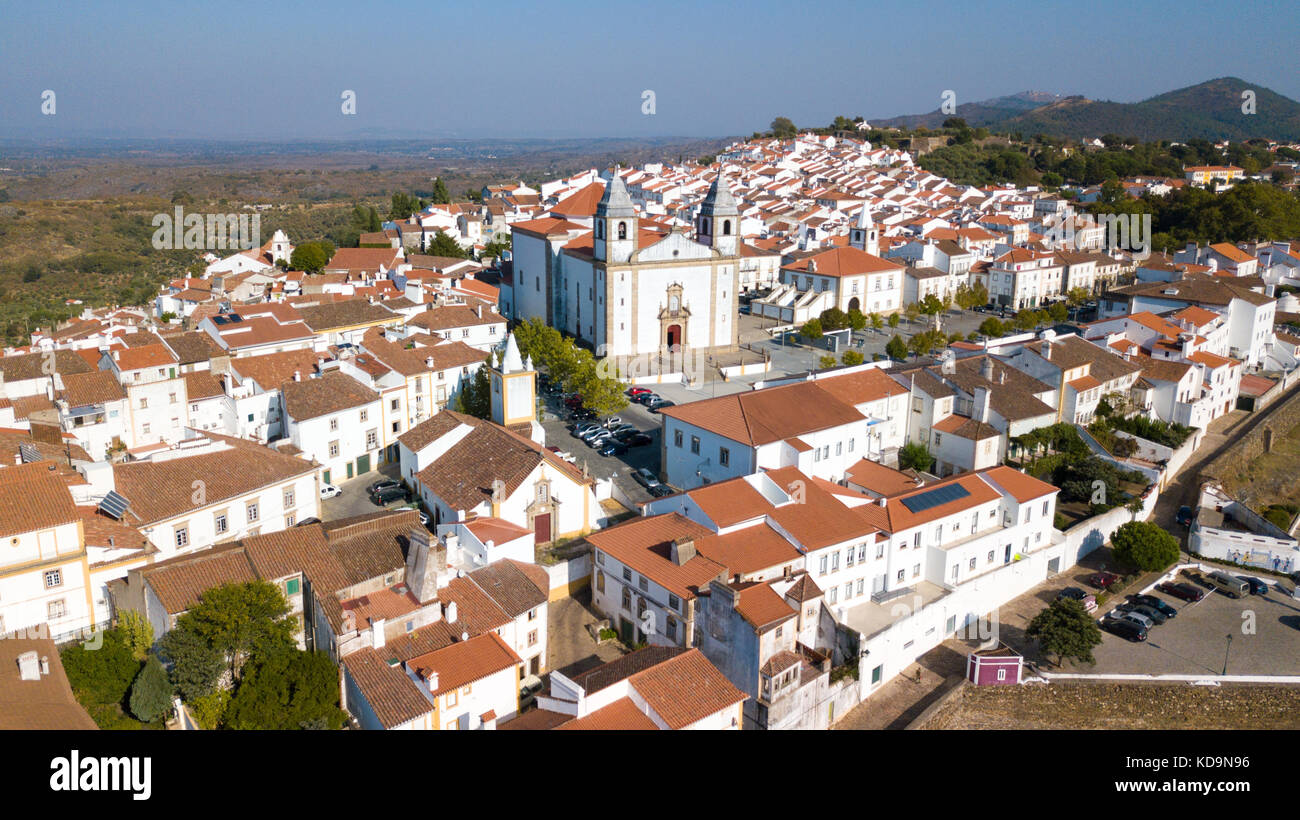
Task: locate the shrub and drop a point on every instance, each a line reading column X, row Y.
column 851, row 357
column 151, row 694
column 102, row 675
column 209, row 710
column 914, row 456
column 1143, row 545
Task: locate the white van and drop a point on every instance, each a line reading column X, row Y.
column 1229, row 585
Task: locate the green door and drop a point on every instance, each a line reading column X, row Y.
column 363, row 464
column 349, row 469
column 325, row 479
column 627, row 628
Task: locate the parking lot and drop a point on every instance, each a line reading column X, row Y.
column 1265, row 632
column 619, row 468
column 353, row 498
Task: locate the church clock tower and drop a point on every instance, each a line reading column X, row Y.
column 718, row 224
column 614, row 225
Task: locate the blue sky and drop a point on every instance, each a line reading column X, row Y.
column 237, row 70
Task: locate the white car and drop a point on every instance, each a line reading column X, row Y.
column 329, row 491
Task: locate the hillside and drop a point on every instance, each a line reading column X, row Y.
column 982, row 113
column 1210, row 110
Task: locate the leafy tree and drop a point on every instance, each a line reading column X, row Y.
column 893, row 321
column 287, row 689
column 1144, row 546
column 440, row 195
column 443, row 245
column 196, row 665
column 151, row 694
column 136, row 632
column 1058, row 311
column 914, row 456
column 993, row 328
column 931, row 305
column 601, row 395
column 896, row 348
column 1066, row 630
column 826, row 362
column 104, row 674
column 783, row 128
column 310, row 257
column 857, row 320
column 208, row 710
column 402, row 206
column 475, row 397
column 877, row 322
column 834, row 319
column 851, row 357
column 1077, row 296
column 239, row 619
column 495, row 248
column 812, row 329
column 912, row 311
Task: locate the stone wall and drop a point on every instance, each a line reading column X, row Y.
column 1281, row 418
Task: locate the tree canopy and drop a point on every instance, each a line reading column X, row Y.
column 1066, row 630
column 1143, row 545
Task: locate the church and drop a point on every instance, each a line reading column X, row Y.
column 631, row 290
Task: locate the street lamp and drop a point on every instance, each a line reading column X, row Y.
column 1225, row 654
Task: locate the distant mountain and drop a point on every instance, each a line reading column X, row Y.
column 1211, row 110
column 976, row 114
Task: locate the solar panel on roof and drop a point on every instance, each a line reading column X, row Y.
column 933, row 498
column 114, row 504
column 29, row 453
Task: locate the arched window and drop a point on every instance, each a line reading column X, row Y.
column 704, row 227
column 600, row 230
column 622, row 230
column 726, row 227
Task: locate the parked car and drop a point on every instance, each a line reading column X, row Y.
column 612, row 422
column 1103, row 580
column 647, row 399
column 1155, row 603
column 612, row 447
column 1183, row 592
column 1155, row 616
column 1128, row 630
column 655, row 407
column 529, row 689
column 1136, row 617
column 381, row 484
column 1184, row 516
column 574, row 401
column 661, row 491
column 1257, row 587
column 636, row 440
column 387, row 494
column 329, row 491
column 307, row 521
column 581, row 428
column 638, row 391
column 646, row 478
column 1229, row 585
column 583, row 414
column 1084, row 597
column 1199, row 579
column 598, row 439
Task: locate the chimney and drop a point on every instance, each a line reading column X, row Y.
column 683, row 550
column 986, row 368
column 449, row 612
column 297, row 375
column 45, row 665
column 377, row 633
column 29, row 666
column 1047, row 350
column 981, row 407
column 480, row 311
column 432, row 679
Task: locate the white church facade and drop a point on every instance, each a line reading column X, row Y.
column 628, row 291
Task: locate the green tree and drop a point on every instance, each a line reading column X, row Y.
column 309, row 257
column 1058, row 311
column 877, row 322
column 857, row 320
column 1143, row 545
column 101, row 674
column 209, row 710
column 287, row 689
column 136, row 632
column 834, row 319
column 812, row 329
column 851, row 357
column 896, row 348
column 931, row 305
column 914, row 456
column 602, row 395
column 440, row 195
column 783, row 128
column 826, row 362
column 1077, row 296
column 893, row 321
column 151, row 694
column 993, row 328
column 912, row 311
column 239, row 619
column 495, row 248
column 475, row 397
column 443, row 245
column 1066, row 630
column 196, row 665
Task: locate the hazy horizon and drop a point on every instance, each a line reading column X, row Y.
column 578, row 70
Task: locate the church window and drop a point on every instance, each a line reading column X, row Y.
column 622, row 230
column 726, row 227
column 599, row 232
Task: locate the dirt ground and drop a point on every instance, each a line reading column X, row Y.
column 1084, row 705
column 1271, row 477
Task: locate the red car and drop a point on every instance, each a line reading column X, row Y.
column 1103, row 580
column 573, row 402
column 1183, row 592
column 638, row 391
